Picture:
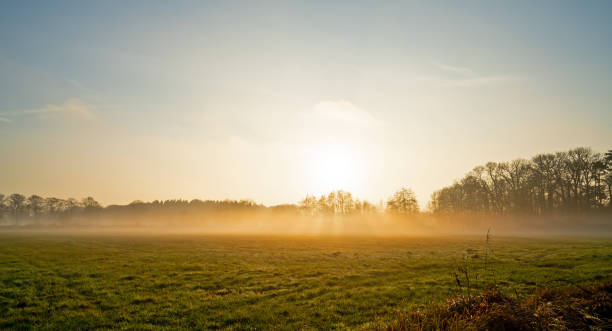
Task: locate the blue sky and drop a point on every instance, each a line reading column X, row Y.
column 273, row 100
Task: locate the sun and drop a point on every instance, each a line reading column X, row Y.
column 334, row 167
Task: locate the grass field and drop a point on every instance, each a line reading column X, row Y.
column 83, row 281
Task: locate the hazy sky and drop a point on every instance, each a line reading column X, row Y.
column 272, row 100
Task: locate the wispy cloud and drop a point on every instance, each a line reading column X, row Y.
column 72, row 108
column 458, row 76
column 343, row 111
column 455, row 69
column 479, row 81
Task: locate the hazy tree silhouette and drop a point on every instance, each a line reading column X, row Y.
column 403, row 201
column 35, row 205
column 16, row 206
column 90, row 205
column 338, row 202
column 3, row 207
column 608, row 177
column 309, row 205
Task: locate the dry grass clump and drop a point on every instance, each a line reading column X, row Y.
column 575, row 307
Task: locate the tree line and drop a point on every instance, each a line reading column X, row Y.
column 17, row 209
column 341, row 202
column 576, row 181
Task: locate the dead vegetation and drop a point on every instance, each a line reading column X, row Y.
column 575, row 307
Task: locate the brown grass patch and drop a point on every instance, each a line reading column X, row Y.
column 575, row 307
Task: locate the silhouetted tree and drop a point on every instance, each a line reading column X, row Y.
column 54, row 207
column 607, row 178
column 365, row 207
column 338, row 202
column 403, row 201
column 16, row 205
column 90, row 205
column 309, row 205
column 3, row 207
column 35, row 205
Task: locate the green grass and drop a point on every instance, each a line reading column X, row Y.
column 261, row 282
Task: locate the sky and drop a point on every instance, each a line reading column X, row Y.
column 273, row 100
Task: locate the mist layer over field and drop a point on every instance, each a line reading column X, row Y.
column 245, row 217
column 381, row 225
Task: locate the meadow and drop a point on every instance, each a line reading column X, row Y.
column 194, row 281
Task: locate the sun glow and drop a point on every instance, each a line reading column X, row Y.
column 335, row 167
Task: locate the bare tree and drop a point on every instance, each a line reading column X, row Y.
column 3, row 207
column 16, row 204
column 403, row 201
column 608, row 176
column 35, row 205
column 309, row 205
